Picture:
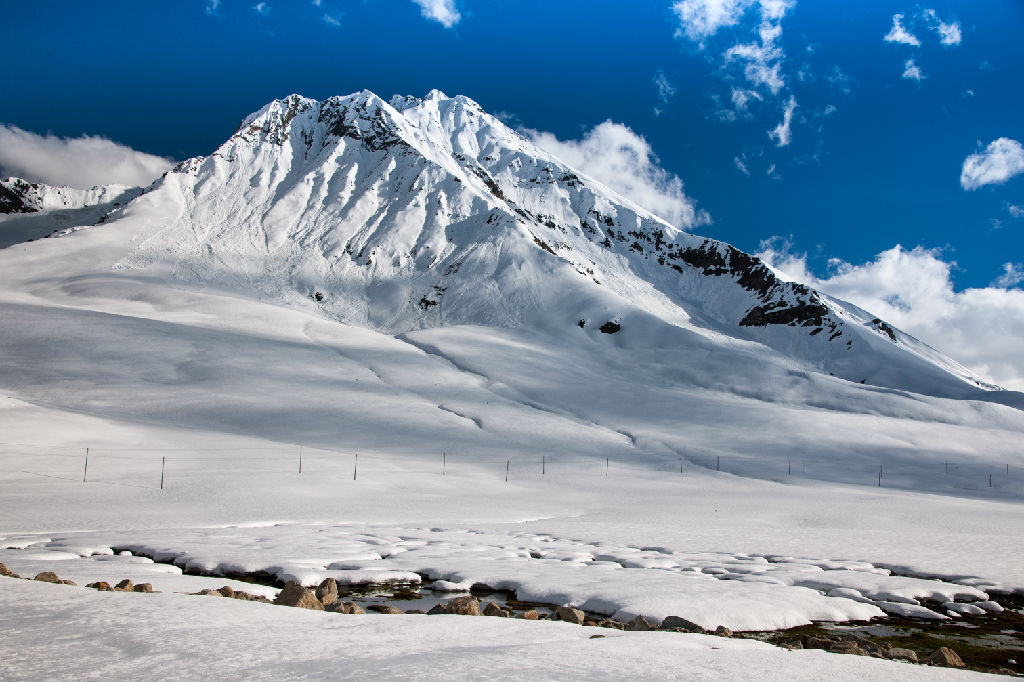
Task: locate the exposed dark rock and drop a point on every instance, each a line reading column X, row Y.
column 530, row 615
column 492, row 609
column 898, row 654
column 125, row 585
column 945, row 656
column 817, row 643
column 639, row 624
column 847, row 648
column 227, row 591
column 807, row 314
column 437, row 610
column 7, row 573
column 569, row 615
column 47, row 577
column 101, row 585
column 610, row 327
column 609, row 623
column 12, row 199
column 464, row 606
column 385, row 609
column 723, row 631
column 677, row 623
column 143, row 587
column 327, row 591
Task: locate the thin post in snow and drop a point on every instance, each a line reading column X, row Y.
column 163, row 466
column 680, row 464
column 606, row 467
column 1007, row 468
column 947, row 467
column 355, row 468
column 507, row 462
column 85, row 472
column 790, row 466
column 718, row 462
column 990, row 480
column 444, row 461
column 543, row 465
column 300, row 459
column 879, row 477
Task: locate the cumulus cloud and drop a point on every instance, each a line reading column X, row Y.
column 442, row 11
column 899, row 34
column 912, row 289
column 614, row 155
column 1015, row 211
column 700, row 19
column 998, row 162
column 949, row 34
column 781, row 133
column 261, row 8
column 80, row 162
column 911, row 71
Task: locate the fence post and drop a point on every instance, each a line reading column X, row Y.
column 444, row 461
column 543, row 465
column 790, row 467
column 355, row 468
column 718, row 462
column 990, row 480
column 506, row 470
column 163, row 466
column 300, row 459
column 606, row 467
column 85, row 473
column 680, row 464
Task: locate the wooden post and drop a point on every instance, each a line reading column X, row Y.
column 85, row 473
column 300, row 459
column 355, row 469
column 990, row 480
column 543, row 464
column 947, row 467
column 790, row 465
column 718, row 462
column 606, row 467
column 507, row 462
column 879, row 476
column 163, row 466
column 680, row 464
column 444, row 461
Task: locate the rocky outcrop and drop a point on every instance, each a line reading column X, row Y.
column 327, row 591
column 7, row 573
column 47, row 577
column 639, row 624
column 680, row 625
column 298, row 596
column 946, row 657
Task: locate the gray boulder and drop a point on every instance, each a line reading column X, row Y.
column 327, row 591
column 723, row 631
column 676, row 623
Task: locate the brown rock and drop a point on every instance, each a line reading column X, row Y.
column 946, row 656
column 817, row 643
column 464, row 606
column 7, row 573
column 47, row 577
column 609, row 623
column 143, row 587
column 298, row 596
column 226, row 591
column 639, row 624
column 847, row 648
column 530, row 615
column 590, row 623
column 349, row 607
column 898, row 654
column 101, row 586
column 569, row 615
column 69, row 582
column 327, row 591
column 385, row 608
column 418, row 612
column 677, row 623
column 723, row 631
column 437, row 609
column 125, row 586
column 492, row 609
column 209, row 593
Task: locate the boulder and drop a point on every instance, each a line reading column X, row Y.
column 569, row 615
column 385, row 608
column 898, row 654
column 945, row 656
column 609, row 623
column 723, row 631
column 102, row 586
column 298, row 596
column 327, row 591
column 530, row 615
column 7, row 573
column 226, row 591
column 418, row 612
column 639, row 624
column 69, row 582
column 464, row 606
column 438, row 609
column 811, row 642
column 492, row 609
column 676, row 623
column 125, row 585
column 209, row 593
column 47, row 577
column 847, row 647
column 143, row 587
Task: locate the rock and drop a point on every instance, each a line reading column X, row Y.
column 69, row 582
column 437, row 609
column 418, row 612
column 609, row 623
column 569, row 615
column 464, row 606
column 897, row 654
column 590, row 623
column 327, row 591
column 47, row 577
column 847, row 648
column 492, row 609
column 530, row 615
column 209, row 593
column 7, row 573
column 385, row 608
column 298, row 596
column 336, row 607
column 597, row 637
column 125, row 585
column 723, row 631
column 945, row 656
column 639, row 624
column 101, row 586
column 677, row 623
column 811, row 642
column 143, row 587
column 226, row 591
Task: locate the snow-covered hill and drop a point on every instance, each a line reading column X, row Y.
column 420, row 213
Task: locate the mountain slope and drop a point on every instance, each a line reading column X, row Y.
column 429, row 212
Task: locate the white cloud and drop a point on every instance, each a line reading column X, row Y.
column 998, row 162
column 700, row 19
column 949, row 34
column 911, row 71
column 80, row 162
column 663, row 85
column 898, row 34
column 912, row 289
column 614, row 155
column 212, row 6
column 317, row 3
column 331, row 20
column 1015, row 211
column 442, row 11
column 741, row 166
column 261, row 8
column 782, row 133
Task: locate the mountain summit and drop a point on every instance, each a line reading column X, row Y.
column 418, row 213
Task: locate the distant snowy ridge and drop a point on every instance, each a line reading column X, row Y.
column 22, row 196
column 419, row 213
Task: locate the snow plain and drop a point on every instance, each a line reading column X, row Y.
column 669, row 469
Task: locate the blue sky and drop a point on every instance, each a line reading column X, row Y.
column 886, row 102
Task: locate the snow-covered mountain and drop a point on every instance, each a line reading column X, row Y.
column 419, row 213
column 31, row 210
